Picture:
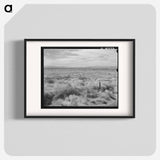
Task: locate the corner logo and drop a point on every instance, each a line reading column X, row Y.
column 8, row 8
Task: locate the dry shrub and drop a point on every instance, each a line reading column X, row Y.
column 74, row 100
column 48, row 97
column 67, row 77
column 91, row 93
column 82, row 78
column 113, row 96
column 65, row 92
column 109, row 87
column 50, row 81
column 80, row 88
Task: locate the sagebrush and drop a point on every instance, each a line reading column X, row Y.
column 80, row 87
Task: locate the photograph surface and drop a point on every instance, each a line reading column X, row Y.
column 79, row 77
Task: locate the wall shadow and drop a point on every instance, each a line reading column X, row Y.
column 18, row 81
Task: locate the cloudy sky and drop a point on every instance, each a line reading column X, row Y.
column 80, row 57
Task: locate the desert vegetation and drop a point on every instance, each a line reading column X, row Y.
column 80, row 87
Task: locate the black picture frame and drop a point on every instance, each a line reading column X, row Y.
column 25, row 76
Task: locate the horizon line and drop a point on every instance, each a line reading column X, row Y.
column 81, row 67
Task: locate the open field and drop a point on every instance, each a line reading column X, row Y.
column 80, row 87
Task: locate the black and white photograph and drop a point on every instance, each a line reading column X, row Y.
column 79, row 77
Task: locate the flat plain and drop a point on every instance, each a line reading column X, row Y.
column 80, row 87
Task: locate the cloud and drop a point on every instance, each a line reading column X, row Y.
column 59, row 53
column 80, row 57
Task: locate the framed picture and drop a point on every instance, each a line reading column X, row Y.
column 79, row 78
